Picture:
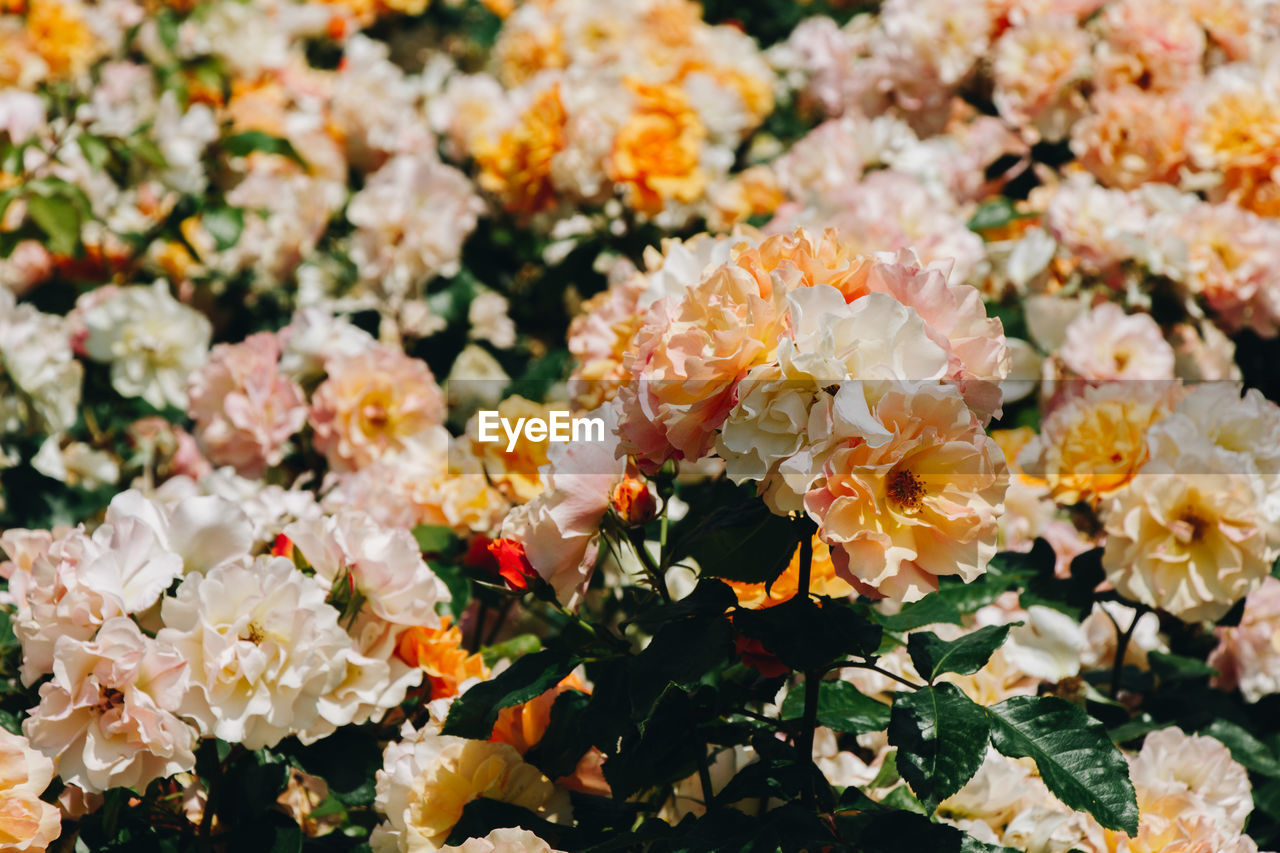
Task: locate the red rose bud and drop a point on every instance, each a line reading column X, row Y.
column 513, row 565
column 756, row 656
column 282, row 547
column 633, row 502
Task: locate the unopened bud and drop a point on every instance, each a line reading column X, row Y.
column 513, row 565
column 633, row 502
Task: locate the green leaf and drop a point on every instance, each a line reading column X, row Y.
column 806, row 633
column 1245, row 748
column 96, row 152
column 346, row 760
column 1135, row 728
column 840, row 707
column 743, row 542
column 459, row 584
column 1076, row 758
column 682, row 652
column 435, row 538
column 1170, row 667
column 907, row 832
column 148, row 152
column 224, row 224
column 941, row 736
column 566, row 738
column 474, row 712
column 250, row 785
column 58, row 218
column 244, row 144
column 514, row 648
column 482, row 815
column 994, row 214
column 667, row 748
column 933, row 609
column 933, row 656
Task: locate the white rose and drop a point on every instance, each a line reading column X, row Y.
column 152, row 341
column 264, row 649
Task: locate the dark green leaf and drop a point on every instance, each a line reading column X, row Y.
column 566, row 738
column 1170, row 667
column 941, row 736
column 840, row 707
column 932, row 656
column 1245, row 748
column 250, row 785
column 744, row 542
column 805, row 633
column 906, row 832
column 346, row 760
column 668, row 747
column 682, row 652
column 1076, row 758
column 474, row 712
column 933, row 609
column 459, row 584
column 786, row 780
column 711, row 597
column 481, row 816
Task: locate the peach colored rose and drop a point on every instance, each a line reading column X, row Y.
column 245, row 409
column 1248, row 655
column 1094, row 443
column 27, row 823
column 690, row 355
column 919, row 505
column 1106, row 343
column 108, row 716
column 374, row 404
column 1132, row 137
column 1193, row 545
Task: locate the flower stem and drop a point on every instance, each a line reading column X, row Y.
column 1122, row 648
column 813, row 677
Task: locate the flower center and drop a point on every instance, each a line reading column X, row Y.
column 905, row 489
column 108, row 698
column 1195, row 525
column 256, row 634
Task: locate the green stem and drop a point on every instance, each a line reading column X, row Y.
column 1122, row 647
column 866, row 664
column 704, row 777
column 813, row 677
column 636, row 538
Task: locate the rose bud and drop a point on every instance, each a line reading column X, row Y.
column 513, row 565
column 633, row 502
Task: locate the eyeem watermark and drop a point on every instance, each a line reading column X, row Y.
column 560, row 428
